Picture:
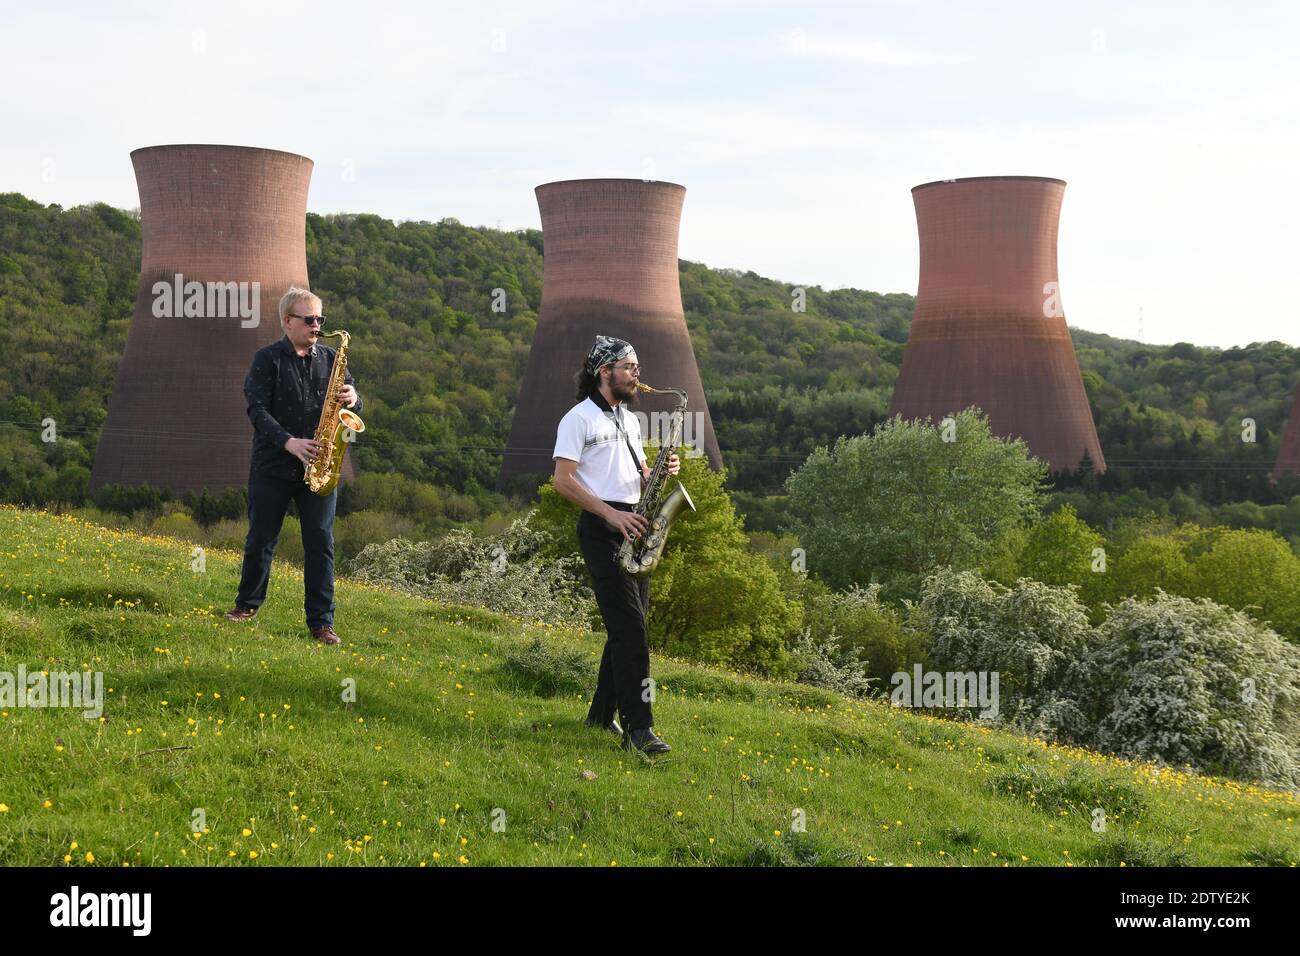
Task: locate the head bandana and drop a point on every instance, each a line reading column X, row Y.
column 606, row 350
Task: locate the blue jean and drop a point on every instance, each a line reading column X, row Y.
column 268, row 500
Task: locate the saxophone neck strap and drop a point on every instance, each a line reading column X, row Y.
column 635, row 460
column 628, row 442
column 627, row 439
column 616, row 414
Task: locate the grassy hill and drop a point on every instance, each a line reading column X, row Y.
column 457, row 725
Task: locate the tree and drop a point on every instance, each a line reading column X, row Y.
column 1254, row 571
column 904, row 500
column 1157, row 561
column 1060, row 549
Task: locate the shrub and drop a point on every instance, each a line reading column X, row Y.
column 393, row 493
column 864, row 628
column 826, row 665
column 231, row 503
column 1167, row 678
column 1156, row 561
column 71, row 484
column 354, row 531
column 1030, row 635
column 177, row 525
column 501, row 573
column 228, row 533
column 127, row 499
column 1192, row 682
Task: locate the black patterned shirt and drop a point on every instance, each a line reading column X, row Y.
column 285, row 392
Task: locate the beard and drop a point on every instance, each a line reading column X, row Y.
column 625, row 393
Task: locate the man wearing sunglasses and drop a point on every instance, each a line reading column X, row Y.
column 285, row 389
column 601, row 467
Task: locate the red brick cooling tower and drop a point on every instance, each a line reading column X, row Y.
column 1288, row 456
column 610, row 267
column 989, row 330
column 214, row 215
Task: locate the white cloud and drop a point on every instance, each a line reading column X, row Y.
column 875, row 51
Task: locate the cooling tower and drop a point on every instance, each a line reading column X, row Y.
column 231, row 221
column 989, row 329
column 1288, row 456
column 610, row 267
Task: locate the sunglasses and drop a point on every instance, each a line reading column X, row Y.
column 308, row 319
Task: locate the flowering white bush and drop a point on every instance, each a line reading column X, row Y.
column 1164, row 678
column 1194, row 682
column 504, row 573
column 825, row 664
column 1030, row 635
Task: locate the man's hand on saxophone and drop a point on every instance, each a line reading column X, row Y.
column 631, row 524
column 304, row 449
column 348, row 395
column 674, row 466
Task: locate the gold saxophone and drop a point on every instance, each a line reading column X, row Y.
column 641, row 555
column 322, row 475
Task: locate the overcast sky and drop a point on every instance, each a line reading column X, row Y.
column 798, row 129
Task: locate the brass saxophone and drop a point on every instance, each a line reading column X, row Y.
column 322, row 475
column 641, row 555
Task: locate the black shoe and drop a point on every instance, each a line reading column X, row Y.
column 612, row 725
column 645, row 741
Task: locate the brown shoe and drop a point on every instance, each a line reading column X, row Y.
column 325, row 634
column 240, row 613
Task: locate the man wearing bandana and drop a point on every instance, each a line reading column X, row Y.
column 600, row 466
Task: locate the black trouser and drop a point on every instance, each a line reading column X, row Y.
column 268, row 499
column 624, row 681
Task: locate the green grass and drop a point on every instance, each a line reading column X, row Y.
column 463, row 717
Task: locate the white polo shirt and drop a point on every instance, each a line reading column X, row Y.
column 589, row 434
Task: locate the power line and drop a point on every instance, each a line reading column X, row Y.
column 1167, row 464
